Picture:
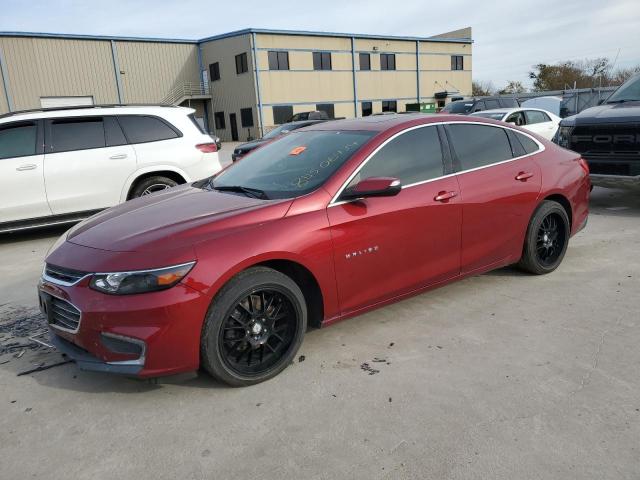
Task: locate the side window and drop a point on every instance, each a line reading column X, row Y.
column 534, row 116
column 18, row 139
column 76, row 133
column 113, row 133
column 142, row 129
column 516, row 118
column 529, row 145
column 412, row 157
column 491, row 104
column 282, row 114
column 479, row 145
column 479, row 106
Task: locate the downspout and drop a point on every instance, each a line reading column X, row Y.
column 203, row 92
column 257, row 74
column 353, row 72
column 5, row 81
column 418, row 72
column 116, row 70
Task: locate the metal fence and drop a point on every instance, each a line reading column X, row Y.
column 573, row 100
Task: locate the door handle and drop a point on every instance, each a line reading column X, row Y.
column 29, row 166
column 444, row 196
column 522, row 176
column 119, row 156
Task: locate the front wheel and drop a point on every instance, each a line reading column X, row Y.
column 254, row 327
column 547, row 239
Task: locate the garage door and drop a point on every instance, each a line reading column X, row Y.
column 57, row 102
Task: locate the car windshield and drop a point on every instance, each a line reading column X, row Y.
column 492, row 115
column 628, row 92
column 458, row 107
column 282, row 129
column 294, row 165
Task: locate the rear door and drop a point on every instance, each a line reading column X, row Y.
column 22, row 195
column 499, row 188
column 386, row 246
column 86, row 164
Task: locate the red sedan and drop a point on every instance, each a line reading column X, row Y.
column 323, row 224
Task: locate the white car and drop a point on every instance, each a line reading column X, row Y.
column 61, row 166
column 535, row 120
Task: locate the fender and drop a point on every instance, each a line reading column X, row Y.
column 150, row 169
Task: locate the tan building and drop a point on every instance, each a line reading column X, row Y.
column 241, row 83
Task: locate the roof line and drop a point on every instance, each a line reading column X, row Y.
column 235, row 33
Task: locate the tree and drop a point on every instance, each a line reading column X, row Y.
column 482, row 89
column 513, row 86
column 588, row 73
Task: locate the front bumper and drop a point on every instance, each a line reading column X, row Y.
column 616, row 181
column 165, row 325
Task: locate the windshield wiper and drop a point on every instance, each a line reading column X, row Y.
column 250, row 192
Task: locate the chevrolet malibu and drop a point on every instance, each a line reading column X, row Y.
column 326, row 223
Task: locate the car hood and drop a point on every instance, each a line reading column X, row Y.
column 180, row 216
column 606, row 113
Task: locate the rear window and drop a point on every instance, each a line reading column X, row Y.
column 295, row 164
column 458, row 107
column 142, row 129
column 68, row 134
column 479, row 145
column 492, row 115
column 18, row 139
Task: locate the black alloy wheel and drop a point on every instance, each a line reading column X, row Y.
column 550, row 239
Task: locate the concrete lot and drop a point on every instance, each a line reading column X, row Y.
column 501, row 376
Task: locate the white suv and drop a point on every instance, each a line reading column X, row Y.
column 61, row 166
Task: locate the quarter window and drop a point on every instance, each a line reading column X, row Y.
column 534, row 116
column 322, row 60
column 278, row 60
column 18, row 139
column 282, row 114
column 367, row 109
column 529, row 145
column 76, row 134
column 412, row 157
column 457, row 62
column 241, row 63
column 143, row 129
column 387, row 61
column 365, row 61
column 389, row 106
column 219, row 120
column 479, row 145
column 214, row 71
column 246, row 117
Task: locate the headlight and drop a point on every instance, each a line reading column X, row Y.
column 140, row 281
column 563, row 136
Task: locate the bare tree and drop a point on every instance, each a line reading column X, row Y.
column 482, row 88
column 513, row 86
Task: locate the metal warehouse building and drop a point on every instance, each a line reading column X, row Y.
column 240, row 83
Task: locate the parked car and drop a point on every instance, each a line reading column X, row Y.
column 313, row 115
column 241, row 150
column 535, row 120
column 464, row 107
column 61, row 166
column 551, row 104
column 608, row 137
column 322, row 224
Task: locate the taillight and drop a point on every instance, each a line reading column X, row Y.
column 207, row 147
column 584, row 165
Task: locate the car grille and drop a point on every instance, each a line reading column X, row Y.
column 63, row 315
column 64, row 276
column 619, row 140
column 609, row 168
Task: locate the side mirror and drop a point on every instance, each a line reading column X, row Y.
column 373, row 187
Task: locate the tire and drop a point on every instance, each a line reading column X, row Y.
column 242, row 322
column 544, row 245
column 152, row 184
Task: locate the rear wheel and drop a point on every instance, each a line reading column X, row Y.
column 151, row 185
column 254, row 327
column 547, row 239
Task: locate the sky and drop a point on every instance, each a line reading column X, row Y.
column 509, row 36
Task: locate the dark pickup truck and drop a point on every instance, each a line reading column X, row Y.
column 608, row 137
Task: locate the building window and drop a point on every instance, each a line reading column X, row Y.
column 241, row 63
column 219, row 120
column 214, row 71
column 282, row 114
column 326, row 107
column 246, row 117
column 278, row 60
column 322, row 60
column 365, row 61
column 387, row 61
column 367, row 109
column 457, row 62
column 389, row 106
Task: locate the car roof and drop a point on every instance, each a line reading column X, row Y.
column 503, row 111
column 94, row 110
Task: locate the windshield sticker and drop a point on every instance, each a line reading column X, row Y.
column 297, row 150
column 304, row 179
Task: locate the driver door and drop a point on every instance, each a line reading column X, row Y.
column 387, row 246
